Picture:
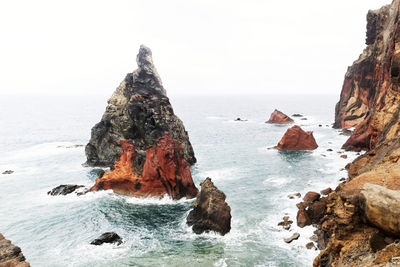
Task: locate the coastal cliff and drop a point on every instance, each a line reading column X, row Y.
column 359, row 225
column 11, row 255
column 370, row 98
column 139, row 110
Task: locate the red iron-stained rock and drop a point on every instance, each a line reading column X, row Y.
column 297, row 139
column 278, row 117
column 165, row 172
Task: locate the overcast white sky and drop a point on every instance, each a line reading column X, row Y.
column 226, row 46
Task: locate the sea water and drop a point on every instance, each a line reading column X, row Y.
column 38, row 142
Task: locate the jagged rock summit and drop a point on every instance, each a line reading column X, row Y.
column 139, row 110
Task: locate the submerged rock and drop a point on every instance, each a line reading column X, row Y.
column 11, row 255
column 297, row 139
column 295, row 236
column 64, row 189
column 109, row 237
column 165, row 171
column 286, row 223
column 8, row 172
column 277, row 117
column 239, row 119
column 139, row 110
column 210, row 212
column 297, row 115
column 293, row 196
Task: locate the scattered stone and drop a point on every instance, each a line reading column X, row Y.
column 302, row 218
column 210, row 212
column 320, row 125
column 311, row 197
column 345, row 132
column 329, row 149
column 239, row 119
column 277, row 117
column 297, row 115
column 64, row 189
column 326, row 191
column 286, row 223
column 314, row 238
column 323, row 155
column 293, row 196
column 344, row 156
column 11, row 255
column 311, row 245
column 342, row 179
column 8, row 172
column 304, row 119
column 109, row 237
column 295, row 236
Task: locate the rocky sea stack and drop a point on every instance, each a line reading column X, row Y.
column 297, row 139
column 11, row 255
column 278, row 117
column 139, row 111
column 210, row 212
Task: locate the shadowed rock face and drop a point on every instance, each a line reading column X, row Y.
column 297, row 139
column 165, row 171
column 277, row 117
column 109, row 237
column 139, row 110
column 210, row 212
column 11, row 255
column 370, row 98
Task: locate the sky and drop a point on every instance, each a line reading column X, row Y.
column 72, row 47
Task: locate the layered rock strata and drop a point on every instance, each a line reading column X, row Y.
column 210, row 212
column 277, row 117
column 11, row 255
column 139, row 110
column 370, row 96
column 297, row 139
column 165, row 171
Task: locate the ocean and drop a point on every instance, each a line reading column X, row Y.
column 38, row 142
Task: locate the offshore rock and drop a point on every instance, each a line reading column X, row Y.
column 381, row 207
column 210, row 212
column 11, row 255
column 370, row 98
column 108, row 237
column 297, row 139
column 139, row 110
column 277, row 117
column 165, row 171
column 64, row 189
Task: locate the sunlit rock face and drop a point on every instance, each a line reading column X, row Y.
column 165, row 172
column 138, row 110
column 297, row 139
column 278, row 117
column 370, row 95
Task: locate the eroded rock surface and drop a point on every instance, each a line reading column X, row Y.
column 278, row 117
column 139, row 110
column 210, row 212
column 165, row 171
column 297, row 139
column 108, row 237
column 11, row 255
column 64, row 189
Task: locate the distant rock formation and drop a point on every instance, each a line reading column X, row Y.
column 140, row 111
column 165, row 171
column 109, row 237
column 370, row 96
column 210, row 212
column 11, row 255
column 277, row 117
column 297, row 139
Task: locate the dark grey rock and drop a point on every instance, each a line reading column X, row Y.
column 140, row 111
column 64, row 189
column 8, row 172
column 109, row 237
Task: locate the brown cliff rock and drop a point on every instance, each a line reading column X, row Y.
column 277, row 117
column 369, row 99
column 165, row 171
column 210, row 212
column 11, row 255
column 297, row 139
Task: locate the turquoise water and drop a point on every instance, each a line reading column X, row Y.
column 36, row 135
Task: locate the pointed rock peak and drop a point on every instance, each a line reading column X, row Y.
column 144, row 59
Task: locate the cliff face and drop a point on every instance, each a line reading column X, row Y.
column 370, row 95
column 165, row 171
column 140, row 111
column 11, row 255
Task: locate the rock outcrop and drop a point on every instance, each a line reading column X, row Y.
column 11, row 255
column 140, row 111
column 108, row 237
column 210, row 212
column 64, row 189
column 277, row 117
column 165, row 171
column 370, row 96
column 297, row 139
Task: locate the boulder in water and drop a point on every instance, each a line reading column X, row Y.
column 297, row 139
column 278, row 117
column 109, row 237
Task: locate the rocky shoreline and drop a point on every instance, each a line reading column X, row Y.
column 11, row 255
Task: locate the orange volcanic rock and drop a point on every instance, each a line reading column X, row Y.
column 278, row 117
column 297, row 139
column 165, row 171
